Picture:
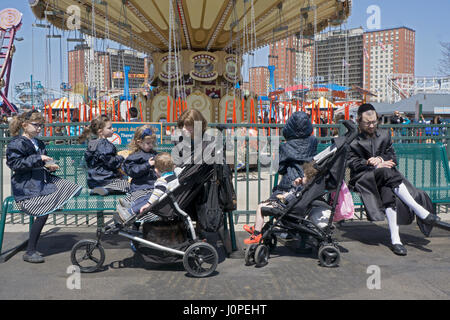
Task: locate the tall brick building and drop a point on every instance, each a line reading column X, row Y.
column 389, row 55
column 293, row 59
column 259, row 77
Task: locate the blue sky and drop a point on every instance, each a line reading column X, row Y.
column 430, row 19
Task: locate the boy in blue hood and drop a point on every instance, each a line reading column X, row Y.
column 300, row 147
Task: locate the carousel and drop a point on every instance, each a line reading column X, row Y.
column 196, row 49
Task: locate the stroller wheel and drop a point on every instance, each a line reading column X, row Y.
column 262, row 255
column 200, row 259
column 88, row 255
column 329, row 256
column 250, row 255
column 271, row 242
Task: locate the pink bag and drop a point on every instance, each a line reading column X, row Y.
column 345, row 209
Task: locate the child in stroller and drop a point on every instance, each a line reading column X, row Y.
column 294, row 215
column 166, row 182
column 172, row 237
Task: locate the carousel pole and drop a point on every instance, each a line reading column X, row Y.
column 47, row 119
column 68, row 117
column 90, row 111
column 140, row 108
column 51, row 120
column 243, row 109
column 226, row 111
column 128, row 110
column 168, row 109
column 261, row 109
column 118, row 110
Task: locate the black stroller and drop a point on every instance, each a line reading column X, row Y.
column 291, row 217
column 172, row 237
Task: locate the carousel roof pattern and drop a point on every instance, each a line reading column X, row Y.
column 202, row 24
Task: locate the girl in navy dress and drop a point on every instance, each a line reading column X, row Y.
column 36, row 190
column 140, row 167
column 104, row 164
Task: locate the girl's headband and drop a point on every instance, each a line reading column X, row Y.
column 147, row 132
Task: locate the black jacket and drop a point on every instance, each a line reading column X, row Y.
column 103, row 163
column 142, row 175
column 299, row 148
column 363, row 181
column 29, row 178
column 363, row 148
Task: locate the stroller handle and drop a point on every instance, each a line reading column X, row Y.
column 352, row 131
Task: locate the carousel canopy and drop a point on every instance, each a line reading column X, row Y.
column 209, row 25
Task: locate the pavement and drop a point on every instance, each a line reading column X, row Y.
column 368, row 270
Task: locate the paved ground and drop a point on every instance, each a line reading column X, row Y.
column 423, row 274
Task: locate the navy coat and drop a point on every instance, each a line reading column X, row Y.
column 136, row 166
column 29, row 178
column 103, row 163
column 300, row 147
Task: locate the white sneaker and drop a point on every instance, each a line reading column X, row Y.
column 124, row 214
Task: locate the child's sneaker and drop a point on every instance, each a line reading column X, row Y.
column 253, row 239
column 249, row 229
column 99, row 191
column 124, row 213
column 124, row 203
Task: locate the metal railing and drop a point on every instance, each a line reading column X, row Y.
column 253, row 178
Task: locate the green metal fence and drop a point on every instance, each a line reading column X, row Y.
column 253, row 178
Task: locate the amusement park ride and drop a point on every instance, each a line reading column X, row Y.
column 195, row 48
column 10, row 23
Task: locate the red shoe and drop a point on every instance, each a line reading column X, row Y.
column 253, row 239
column 249, row 229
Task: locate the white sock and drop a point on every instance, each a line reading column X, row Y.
column 402, row 192
column 391, row 215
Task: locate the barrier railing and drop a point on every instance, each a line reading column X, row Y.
column 248, row 148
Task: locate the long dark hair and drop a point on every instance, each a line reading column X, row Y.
column 15, row 125
column 97, row 123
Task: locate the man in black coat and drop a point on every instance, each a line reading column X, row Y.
column 383, row 189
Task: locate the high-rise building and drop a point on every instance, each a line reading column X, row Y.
column 88, row 68
column 293, row 59
column 389, row 59
column 340, row 58
column 259, row 77
column 136, row 61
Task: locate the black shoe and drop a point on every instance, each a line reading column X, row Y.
column 431, row 219
column 399, row 249
column 33, row 258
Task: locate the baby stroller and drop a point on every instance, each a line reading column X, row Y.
column 165, row 241
column 291, row 217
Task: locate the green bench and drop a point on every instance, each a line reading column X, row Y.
column 424, row 165
column 70, row 158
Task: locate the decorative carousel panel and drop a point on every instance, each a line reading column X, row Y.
column 204, row 66
column 159, row 107
column 231, row 68
column 230, row 102
column 198, row 100
column 169, row 66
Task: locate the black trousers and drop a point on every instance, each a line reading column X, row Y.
column 387, row 179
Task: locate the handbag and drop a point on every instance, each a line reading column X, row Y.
column 345, row 208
